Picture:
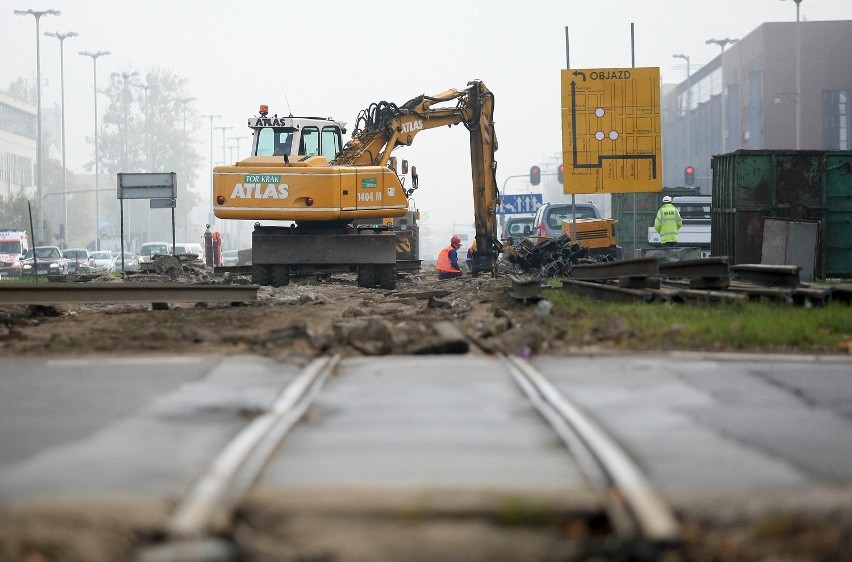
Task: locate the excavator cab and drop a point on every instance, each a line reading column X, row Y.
column 296, row 136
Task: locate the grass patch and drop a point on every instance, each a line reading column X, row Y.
column 742, row 326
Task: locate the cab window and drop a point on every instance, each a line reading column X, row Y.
column 275, row 141
column 330, row 142
column 310, row 141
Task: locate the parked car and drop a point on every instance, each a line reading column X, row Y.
column 230, row 258
column 131, row 262
column 192, row 248
column 547, row 222
column 78, row 259
column 49, row 260
column 516, row 229
column 102, row 261
column 149, row 250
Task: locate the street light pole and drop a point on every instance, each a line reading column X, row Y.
column 798, row 77
column 40, row 214
column 224, row 146
column 125, row 76
column 146, row 88
column 95, row 57
column 183, row 102
column 237, row 142
column 211, row 117
column 688, row 108
column 722, row 43
column 62, row 37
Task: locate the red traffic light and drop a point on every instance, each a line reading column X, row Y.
column 535, row 175
column 560, row 173
column 689, row 175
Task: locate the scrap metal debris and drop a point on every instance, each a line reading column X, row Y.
column 553, row 257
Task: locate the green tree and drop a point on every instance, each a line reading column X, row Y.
column 142, row 131
column 81, row 208
column 14, row 213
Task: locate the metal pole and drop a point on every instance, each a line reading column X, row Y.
column 147, row 87
column 211, row 117
column 94, row 57
column 237, row 141
column 183, row 102
column 633, row 65
column 798, row 78
column 723, row 43
column 62, row 37
column 688, row 108
column 40, row 212
column 224, row 153
column 125, row 76
column 564, row 179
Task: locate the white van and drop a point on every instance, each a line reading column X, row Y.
column 13, row 245
column 149, row 250
column 193, row 248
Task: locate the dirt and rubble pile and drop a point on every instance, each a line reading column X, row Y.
column 310, row 317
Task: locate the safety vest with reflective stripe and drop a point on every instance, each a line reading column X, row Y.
column 444, row 263
column 667, row 223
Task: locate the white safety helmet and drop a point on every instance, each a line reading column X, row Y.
column 667, row 199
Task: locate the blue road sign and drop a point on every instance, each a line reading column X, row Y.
column 522, row 204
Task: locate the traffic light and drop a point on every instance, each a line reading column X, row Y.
column 535, row 175
column 560, row 173
column 689, row 175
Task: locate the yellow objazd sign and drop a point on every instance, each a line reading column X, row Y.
column 611, row 130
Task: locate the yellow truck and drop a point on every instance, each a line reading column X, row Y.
column 300, row 171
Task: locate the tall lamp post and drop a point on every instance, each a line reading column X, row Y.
column 722, row 43
column 798, row 77
column 211, row 117
column 224, row 129
column 95, row 57
column 183, row 102
column 62, row 37
column 146, row 88
column 688, row 108
column 224, row 145
column 40, row 214
column 237, row 143
column 125, row 76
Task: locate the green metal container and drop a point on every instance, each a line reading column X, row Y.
column 751, row 185
column 634, row 235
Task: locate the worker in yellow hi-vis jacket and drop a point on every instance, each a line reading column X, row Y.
column 668, row 222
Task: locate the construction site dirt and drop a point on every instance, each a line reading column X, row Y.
column 309, row 317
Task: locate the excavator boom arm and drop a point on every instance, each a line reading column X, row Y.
column 383, row 126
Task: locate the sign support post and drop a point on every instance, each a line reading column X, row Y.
column 159, row 187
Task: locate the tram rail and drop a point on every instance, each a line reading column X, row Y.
column 635, row 511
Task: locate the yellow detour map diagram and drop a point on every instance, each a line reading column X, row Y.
column 611, row 130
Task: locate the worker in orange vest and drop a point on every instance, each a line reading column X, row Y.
column 447, row 265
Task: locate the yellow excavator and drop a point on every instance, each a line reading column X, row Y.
column 300, row 171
